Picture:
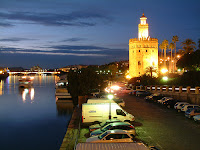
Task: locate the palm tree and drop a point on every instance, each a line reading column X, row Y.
column 165, row 45
column 171, row 46
column 162, row 48
column 188, row 46
column 150, row 70
column 175, row 39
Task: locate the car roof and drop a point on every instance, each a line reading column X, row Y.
column 117, row 131
column 191, row 105
column 119, row 123
column 113, row 120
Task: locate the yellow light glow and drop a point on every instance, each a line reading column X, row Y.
column 165, row 78
column 164, row 70
column 1, row 72
column 115, row 87
column 110, row 96
column 178, row 56
column 128, row 76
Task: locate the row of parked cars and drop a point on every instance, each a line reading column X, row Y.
column 190, row 110
column 111, row 131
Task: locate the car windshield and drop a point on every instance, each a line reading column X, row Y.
column 103, row 123
column 189, row 110
column 106, row 127
column 101, row 136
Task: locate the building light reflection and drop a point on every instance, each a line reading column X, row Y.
column 1, row 87
column 32, row 93
column 26, row 91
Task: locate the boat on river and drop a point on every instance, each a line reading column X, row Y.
column 26, row 81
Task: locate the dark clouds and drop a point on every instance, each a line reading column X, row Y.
column 70, row 50
column 5, row 24
column 73, row 40
column 15, row 39
column 79, row 18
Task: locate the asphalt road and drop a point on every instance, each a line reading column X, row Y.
column 161, row 127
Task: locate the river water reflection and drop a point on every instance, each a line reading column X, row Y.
column 29, row 117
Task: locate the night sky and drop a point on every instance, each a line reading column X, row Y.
column 57, row 33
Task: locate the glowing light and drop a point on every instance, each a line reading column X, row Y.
column 32, row 93
column 115, row 87
column 165, row 78
column 110, row 96
column 178, row 56
column 1, row 72
column 164, row 70
column 128, row 76
column 179, row 70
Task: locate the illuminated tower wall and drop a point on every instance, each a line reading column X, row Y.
column 143, row 51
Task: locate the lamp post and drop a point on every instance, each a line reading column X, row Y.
column 110, row 97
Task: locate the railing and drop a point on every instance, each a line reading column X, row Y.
column 172, row 89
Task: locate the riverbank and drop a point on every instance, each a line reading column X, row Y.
column 72, row 133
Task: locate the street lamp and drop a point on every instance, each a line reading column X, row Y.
column 110, row 97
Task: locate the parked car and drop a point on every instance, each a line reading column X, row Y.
column 150, row 96
column 197, row 118
column 179, row 105
column 134, row 91
column 170, row 103
column 111, row 136
column 186, row 107
column 97, row 126
column 192, row 112
column 116, row 125
column 142, row 93
column 155, row 98
column 126, row 90
column 160, row 101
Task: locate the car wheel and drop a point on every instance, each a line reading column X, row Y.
column 168, row 106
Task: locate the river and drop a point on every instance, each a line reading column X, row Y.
column 29, row 117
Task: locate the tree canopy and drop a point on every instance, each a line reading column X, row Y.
column 190, row 61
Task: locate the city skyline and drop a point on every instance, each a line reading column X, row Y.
column 54, row 34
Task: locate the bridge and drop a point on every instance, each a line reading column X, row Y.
column 33, row 72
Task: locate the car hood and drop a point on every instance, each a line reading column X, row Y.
column 95, row 126
column 96, row 132
column 93, row 139
column 197, row 117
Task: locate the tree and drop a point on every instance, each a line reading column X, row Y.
column 199, row 44
column 165, row 46
column 171, row 46
column 175, row 39
column 150, row 70
column 82, row 82
column 188, row 46
column 162, row 48
column 190, row 61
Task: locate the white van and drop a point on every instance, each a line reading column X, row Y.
column 99, row 112
column 120, row 102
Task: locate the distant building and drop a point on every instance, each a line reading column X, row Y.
column 36, row 69
column 72, row 67
column 143, row 51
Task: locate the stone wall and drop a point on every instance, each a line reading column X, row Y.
column 184, row 94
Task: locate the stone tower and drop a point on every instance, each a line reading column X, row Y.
column 143, row 51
